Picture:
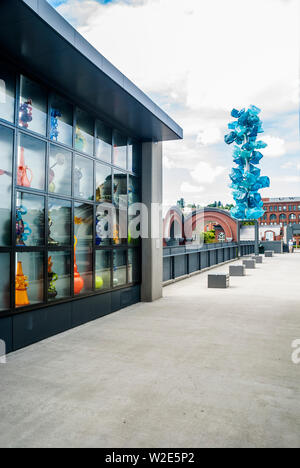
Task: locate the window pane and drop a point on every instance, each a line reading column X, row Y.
column 33, row 106
column 4, row 281
column 103, row 270
column 133, row 265
column 29, row 220
column 59, row 275
column 103, row 142
column 7, row 93
column 29, row 278
column 104, row 223
column 120, row 150
column 60, row 169
column 6, row 149
column 119, row 268
column 59, row 219
column 120, row 230
column 84, row 137
column 134, row 214
column 103, row 184
column 134, row 156
column 83, row 229
column 31, row 162
column 83, row 178
column 61, row 122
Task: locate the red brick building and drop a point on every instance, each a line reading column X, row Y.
column 280, row 212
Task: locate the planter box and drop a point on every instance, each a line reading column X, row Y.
column 237, row 270
column 249, row 264
column 218, row 281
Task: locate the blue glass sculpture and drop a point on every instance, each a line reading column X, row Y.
column 246, row 177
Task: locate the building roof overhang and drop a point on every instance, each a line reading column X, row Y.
column 44, row 43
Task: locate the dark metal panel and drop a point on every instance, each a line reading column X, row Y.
column 90, row 308
column 167, row 271
column 193, row 262
column 180, row 266
column 125, row 297
column 31, row 327
column 6, row 333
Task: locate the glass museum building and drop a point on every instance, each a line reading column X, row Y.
column 80, row 145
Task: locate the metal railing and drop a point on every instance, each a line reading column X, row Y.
column 185, row 260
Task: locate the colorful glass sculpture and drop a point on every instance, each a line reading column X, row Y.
column 21, row 287
column 246, row 179
column 25, row 113
column 52, row 278
column 78, row 280
column 22, row 177
column 54, row 132
column 23, row 230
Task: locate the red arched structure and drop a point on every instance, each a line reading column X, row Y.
column 200, row 217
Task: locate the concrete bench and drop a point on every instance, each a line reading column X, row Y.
column 269, row 253
column 249, row 264
column 218, row 281
column 237, row 270
column 258, row 258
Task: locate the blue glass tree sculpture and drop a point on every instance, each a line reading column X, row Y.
column 246, row 180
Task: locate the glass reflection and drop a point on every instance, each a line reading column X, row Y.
column 31, row 162
column 103, row 270
column 6, row 148
column 83, row 264
column 60, row 171
column 4, row 281
column 83, row 178
column 120, row 150
column 84, row 136
column 59, row 222
column 32, row 106
column 61, row 121
column 119, row 268
column 103, row 142
column 7, row 94
column 59, row 276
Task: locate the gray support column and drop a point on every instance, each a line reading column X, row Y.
column 152, row 260
column 256, row 238
column 239, row 238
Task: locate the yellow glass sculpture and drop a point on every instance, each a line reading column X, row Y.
column 21, row 287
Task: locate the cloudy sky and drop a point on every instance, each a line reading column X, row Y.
column 198, row 59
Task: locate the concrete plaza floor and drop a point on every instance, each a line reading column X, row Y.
column 198, row 368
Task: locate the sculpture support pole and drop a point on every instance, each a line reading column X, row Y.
column 256, row 238
column 239, row 238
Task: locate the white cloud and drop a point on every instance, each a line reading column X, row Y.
column 276, row 147
column 205, row 173
column 209, row 136
column 186, row 187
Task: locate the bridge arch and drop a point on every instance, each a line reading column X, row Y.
column 200, row 217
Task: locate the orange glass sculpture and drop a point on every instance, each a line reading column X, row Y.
column 22, row 178
column 21, row 287
column 78, row 280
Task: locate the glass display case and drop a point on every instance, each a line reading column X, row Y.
column 59, row 222
column 7, row 93
column 84, row 133
column 83, row 178
column 119, row 267
column 32, row 106
column 134, row 211
column 31, row 162
column 61, row 121
column 60, row 171
column 120, row 200
column 103, row 270
column 83, row 248
column 64, row 229
column 29, row 289
column 103, row 183
column 59, row 276
column 133, row 265
column 134, row 156
column 30, row 215
column 103, row 142
column 120, row 150
column 4, row 281
column 6, row 148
